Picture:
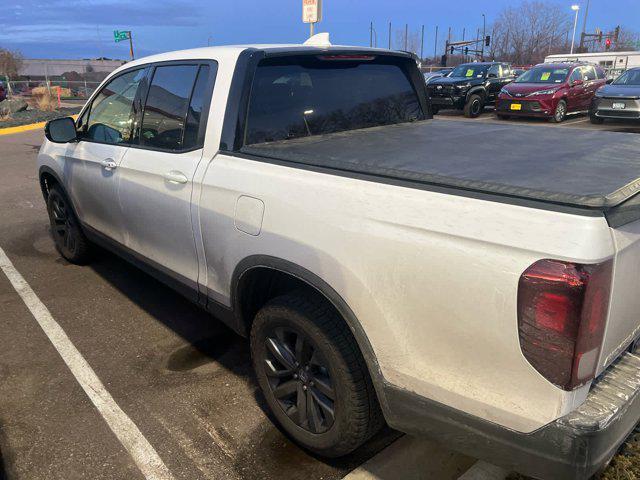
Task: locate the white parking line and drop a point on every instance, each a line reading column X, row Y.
column 143, row 454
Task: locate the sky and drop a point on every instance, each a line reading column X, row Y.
column 64, row 29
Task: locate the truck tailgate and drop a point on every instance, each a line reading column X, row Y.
column 623, row 325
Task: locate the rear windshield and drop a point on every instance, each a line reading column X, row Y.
column 630, row 77
column 296, row 97
column 544, row 75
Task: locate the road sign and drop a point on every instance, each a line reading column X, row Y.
column 311, row 11
column 119, row 36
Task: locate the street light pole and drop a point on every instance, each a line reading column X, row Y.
column 484, row 35
column 584, row 25
column 575, row 8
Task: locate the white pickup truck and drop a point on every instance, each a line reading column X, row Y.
column 474, row 283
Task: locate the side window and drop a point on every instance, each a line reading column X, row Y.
column 506, row 71
column 494, row 71
column 165, row 110
column 575, row 75
column 112, row 112
column 589, row 73
column 196, row 105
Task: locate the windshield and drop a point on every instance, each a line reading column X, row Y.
column 544, row 75
column 469, row 71
column 630, row 77
column 295, row 97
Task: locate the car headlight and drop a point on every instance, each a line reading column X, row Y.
column 462, row 88
column 549, row 91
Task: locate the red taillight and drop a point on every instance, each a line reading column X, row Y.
column 562, row 310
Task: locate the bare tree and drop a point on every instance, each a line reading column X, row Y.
column 527, row 33
column 10, row 63
column 627, row 40
column 413, row 41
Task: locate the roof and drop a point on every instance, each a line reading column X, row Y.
column 594, row 54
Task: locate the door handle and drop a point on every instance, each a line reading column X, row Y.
column 108, row 164
column 175, row 177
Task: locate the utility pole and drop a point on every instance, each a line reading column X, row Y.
column 435, row 44
column 370, row 34
column 584, row 26
column 389, row 35
column 484, row 36
column 131, row 44
column 422, row 44
column 464, row 29
column 406, row 34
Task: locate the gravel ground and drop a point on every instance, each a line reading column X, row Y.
column 27, row 117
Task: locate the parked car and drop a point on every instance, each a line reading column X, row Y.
column 551, row 90
column 429, row 76
column 620, row 99
column 469, row 87
column 3, row 92
column 463, row 290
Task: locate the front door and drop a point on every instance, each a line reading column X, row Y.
column 91, row 165
column 156, row 176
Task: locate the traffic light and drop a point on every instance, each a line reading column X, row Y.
column 451, row 50
column 466, row 50
column 487, row 40
column 607, row 43
column 616, row 34
column 599, row 32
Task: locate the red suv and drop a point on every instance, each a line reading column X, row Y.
column 551, row 90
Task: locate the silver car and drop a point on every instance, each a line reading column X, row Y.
column 619, row 100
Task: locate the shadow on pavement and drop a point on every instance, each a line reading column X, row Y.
column 209, row 340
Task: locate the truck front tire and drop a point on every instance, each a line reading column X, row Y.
column 312, row 374
column 67, row 234
column 474, row 106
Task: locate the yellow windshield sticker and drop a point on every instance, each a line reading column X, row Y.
column 470, row 72
column 545, row 76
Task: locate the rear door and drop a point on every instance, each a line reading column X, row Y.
column 91, row 165
column 576, row 95
column 156, row 176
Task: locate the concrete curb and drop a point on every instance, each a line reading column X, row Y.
column 25, row 128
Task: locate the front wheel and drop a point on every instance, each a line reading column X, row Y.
column 560, row 113
column 68, row 237
column 473, row 107
column 312, row 375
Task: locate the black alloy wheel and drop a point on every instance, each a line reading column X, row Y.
column 68, row 237
column 300, row 379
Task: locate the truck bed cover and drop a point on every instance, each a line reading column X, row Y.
column 578, row 168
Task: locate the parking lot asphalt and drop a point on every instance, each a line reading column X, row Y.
column 181, row 377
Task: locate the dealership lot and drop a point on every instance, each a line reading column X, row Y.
column 180, row 376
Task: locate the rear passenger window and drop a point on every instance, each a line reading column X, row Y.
column 589, row 73
column 165, row 110
column 194, row 114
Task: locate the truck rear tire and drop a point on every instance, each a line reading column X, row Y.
column 68, row 236
column 473, row 107
column 312, row 374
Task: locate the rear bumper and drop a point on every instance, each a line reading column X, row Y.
column 572, row 447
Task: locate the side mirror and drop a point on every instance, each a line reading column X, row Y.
column 609, row 80
column 61, row 130
column 577, row 83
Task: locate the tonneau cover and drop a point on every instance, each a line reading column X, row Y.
column 580, row 168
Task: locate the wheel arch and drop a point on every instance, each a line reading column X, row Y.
column 479, row 90
column 47, row 177
column 265, row 268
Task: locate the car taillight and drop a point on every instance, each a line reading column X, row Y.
column 562, row 310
